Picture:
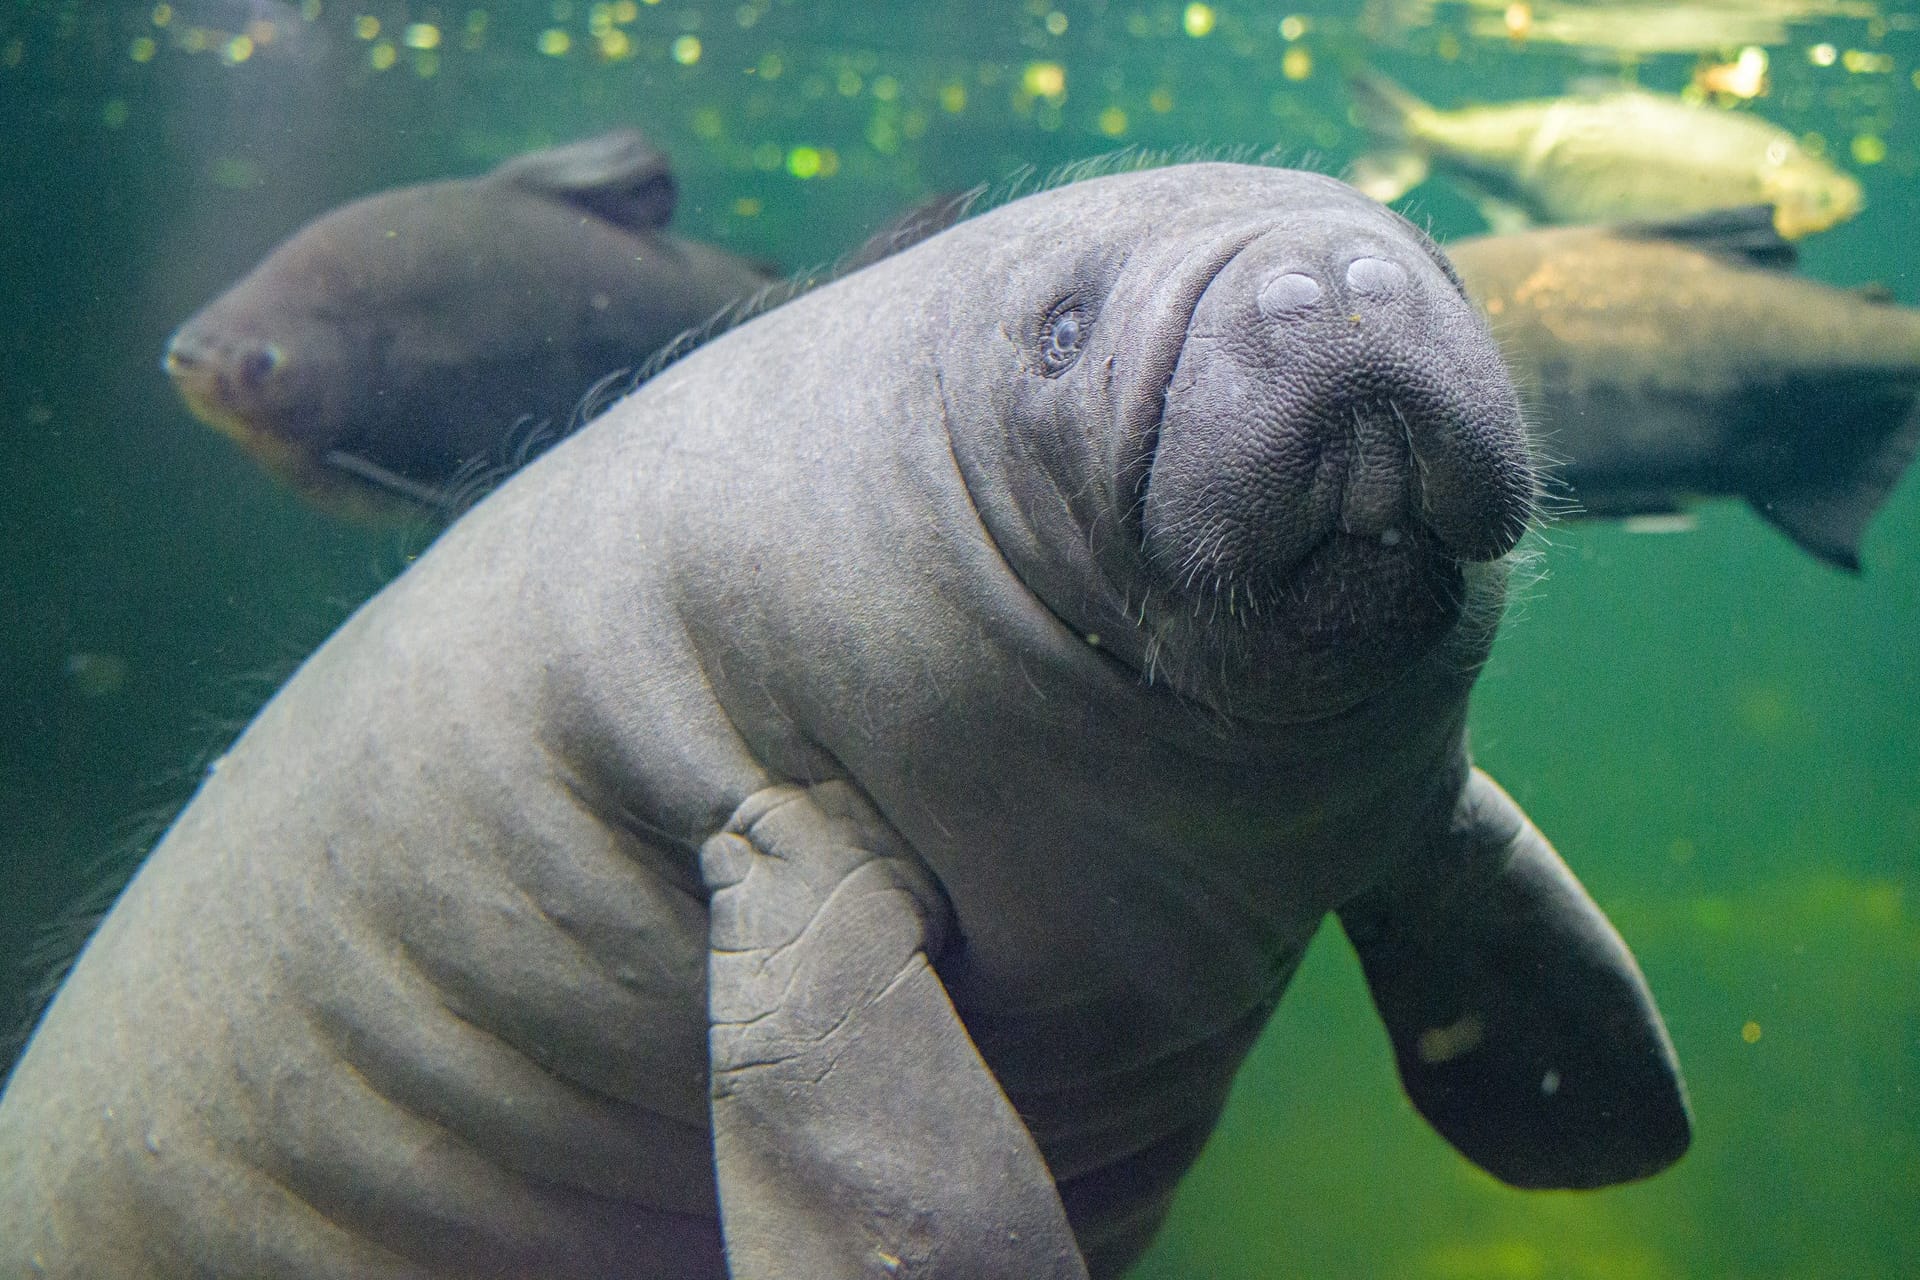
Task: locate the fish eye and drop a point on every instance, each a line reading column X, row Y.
column 1061, row 340
column 259, row 363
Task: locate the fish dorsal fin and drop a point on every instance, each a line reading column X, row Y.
column 619, row 176
column 1744, row 233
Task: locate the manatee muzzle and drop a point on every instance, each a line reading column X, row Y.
column 1332, row 386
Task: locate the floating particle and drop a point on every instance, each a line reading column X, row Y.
column 421, row 35
column 1518, row 20
column 1113, row 122
column 382, row 55
column 769, row 67
column 1056, row 23
column 554, row 42
column 1861, row 62
column 747, row 207
column 1750, row 1032
column 615, row 45
column 1297, row 64
column 1823, row 55
column 625, row 11
column 113, row 113
column 310, row 10
column 142, row 49
column 707, row 124
column 1868, row 148
column 162, row 14
column 1198, row 19
column 366, row 26
column 886, row 88
column 849, row 83
column 236, row 51
column 686, row 50
column 426, row 63
column 1292, row 27
column 1044, row 80
column 768, row 157
column 1161, row 100
column 953, row 97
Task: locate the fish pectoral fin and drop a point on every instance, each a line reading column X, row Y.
column 857, row 1132
column 1387, row 175
column 386, row 480
column 1522, row 1028
column 619, row 177
column 1744, row 234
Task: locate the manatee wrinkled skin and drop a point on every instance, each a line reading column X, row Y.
column 399, row 338
column 850, row 810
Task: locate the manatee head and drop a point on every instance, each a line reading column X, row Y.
column 1279, row 447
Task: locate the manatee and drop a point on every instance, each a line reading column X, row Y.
column 393, row 341
column 849, row 810
column 1676, row 360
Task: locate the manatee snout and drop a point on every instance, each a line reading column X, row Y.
column 1332, row 387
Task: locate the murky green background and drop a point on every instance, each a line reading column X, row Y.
column 1718, row 733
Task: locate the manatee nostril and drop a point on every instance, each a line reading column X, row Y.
column 1376, row 276
column 1288, row 293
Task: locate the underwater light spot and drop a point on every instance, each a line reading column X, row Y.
column 1750, row 1032
column 1044, row 80
column 1868, row 148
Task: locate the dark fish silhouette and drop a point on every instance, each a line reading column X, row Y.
column 393, row 341
column 1684, row 359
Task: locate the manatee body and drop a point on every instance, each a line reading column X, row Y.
column 850, row 809
column 1678, row 360
column 394, row 340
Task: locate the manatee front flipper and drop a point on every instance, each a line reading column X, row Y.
column 1522, row 1027
column 856, row 1130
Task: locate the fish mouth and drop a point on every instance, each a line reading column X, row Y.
column 208, row 398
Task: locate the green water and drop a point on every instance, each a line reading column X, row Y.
column 1719, row 733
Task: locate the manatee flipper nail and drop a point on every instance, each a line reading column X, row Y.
column 1523, row 1030
column 856, row 1130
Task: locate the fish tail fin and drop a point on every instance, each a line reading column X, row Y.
column 1828, row 517
column 1384, row 109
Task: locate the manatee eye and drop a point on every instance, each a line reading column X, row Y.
column 1060, row 344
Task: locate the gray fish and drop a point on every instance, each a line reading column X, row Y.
column 393, row 341
column 849, row 810
column 1623, row 154
column 1678, row 360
